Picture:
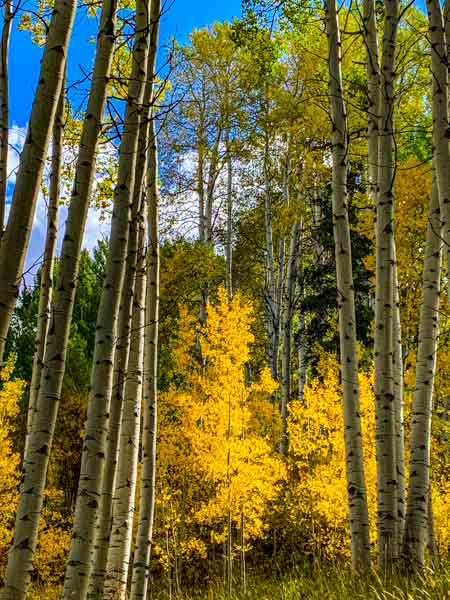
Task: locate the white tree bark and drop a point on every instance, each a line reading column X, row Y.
column 46, row 273
column 288, row 315
column 439, row 63
column 36, row 460
column 271, row 280
column 229, row 241
column 94, row 447
column 398, row 400
column 121, row 359
column 357, row 496
column 125, row 487
column 4, row 106
column 384, row 304
column 14, row 242
column 417, row 513
column 141, row 559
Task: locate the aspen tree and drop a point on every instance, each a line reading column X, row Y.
column 357, row 496
column 417, row 513
column 387, row 489
column 46, row 273
column 38, row 450
column 288, row 315
column 141, row 559
column 14, row 242
column 229, row 241
column 94, row 446
column 398, row 401
column 273, row 311
column 373, row 93
column 121, row 359
column 4, row 106
column 147, row 491
column 380, row 164
column 125, row 487
column 439, row 61
column 301, row 330
column 123, row 349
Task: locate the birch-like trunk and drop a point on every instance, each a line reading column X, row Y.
column 288, row 315
column 301, row 355
column 90, row 487
column 440, row 77
column 121, row 359
column 36, row 460
column 431, row 542
column 387, row 489
column 271, row 286
column 417, row 510
column 122, row 352
column 398, row 400
column 125, row 487
column 373, row 94
column 229, row 241
column 14, row 242
column 357, row 497
column 4, row 106
column 141, row 560
column 46, row 273
column 301, row 331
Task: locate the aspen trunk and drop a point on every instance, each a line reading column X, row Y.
column 121, row 359
column 87, row 512
column 440, row 78
column 271, row 287
column 46, row 274
column 432, row 547
column 288, row 314
column 141, row 560
column 417, row 513
column 125, row 488
column 358, row 511
column 301, row 355
column 384, row 304
column 201, row 193
column 135, row 245
column 36, row 460
column 14, row 242
column 229, row 242
column 373, row 94
column 398, row 400
column 4, row 107
column 301, row 331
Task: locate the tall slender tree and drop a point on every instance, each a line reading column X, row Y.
column 35, row 461
column 384, row 301
column 14, row 242
column 357, row 495
column 418, row 515
column 87, row 513
column 288, row 316
column 46, row 272
column 141, row 560
column 4, row 106
column 125, row 489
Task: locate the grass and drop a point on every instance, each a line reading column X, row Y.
column 317, row 584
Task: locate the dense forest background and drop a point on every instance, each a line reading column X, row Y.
column 244, row 387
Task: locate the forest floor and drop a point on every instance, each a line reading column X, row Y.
column 325, row 584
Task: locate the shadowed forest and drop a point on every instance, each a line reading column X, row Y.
column 224, row 303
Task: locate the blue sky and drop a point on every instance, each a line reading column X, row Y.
column 178, row 21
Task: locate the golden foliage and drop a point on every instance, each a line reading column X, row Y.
column 10, row 393
column 216, row 459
